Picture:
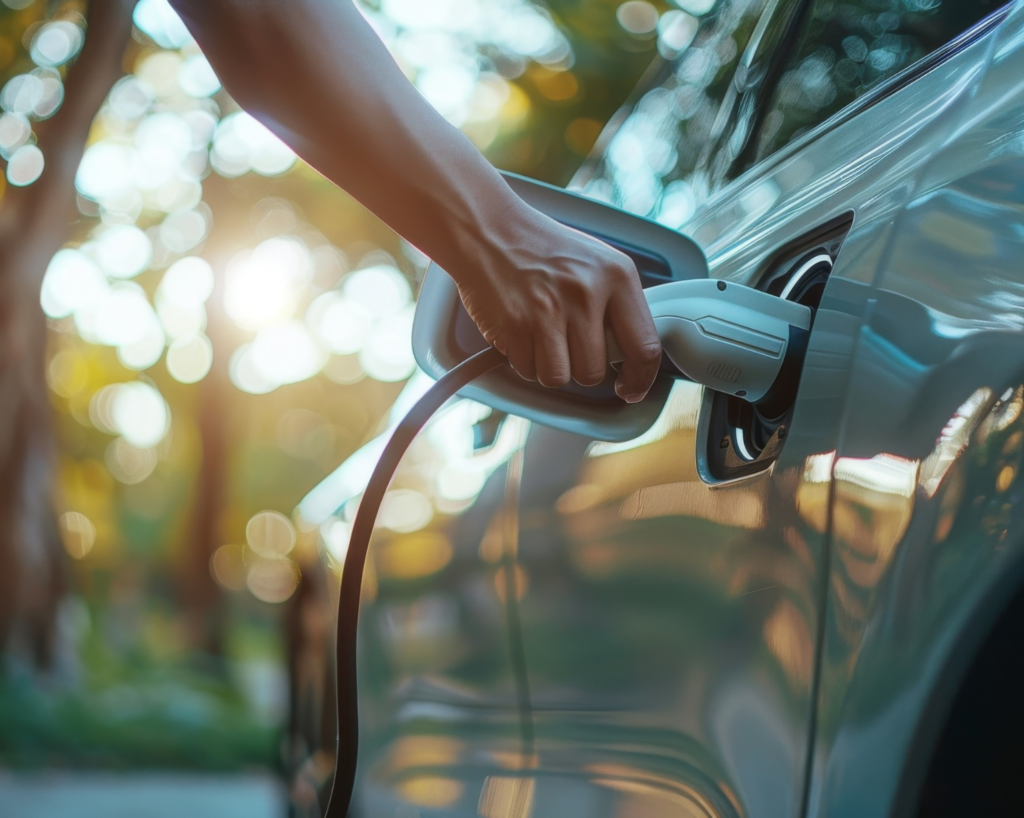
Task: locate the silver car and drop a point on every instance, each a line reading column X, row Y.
column 811, row 608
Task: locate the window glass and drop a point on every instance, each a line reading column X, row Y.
column 847, row 47
column 742, row 78
column 660, row 159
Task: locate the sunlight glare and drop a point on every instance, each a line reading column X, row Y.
column 263, row 286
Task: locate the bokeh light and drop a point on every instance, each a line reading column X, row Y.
column 15, row 131
column 188, row 282
column 55, row 43
column 189, row 358
column 161, row 22
column 25, row 165
column 272, row 580
column 387, row 355
column 696, row 7
column 637, row 17
column 123, row 315
column 128, row 463
column 144, row 351
column 138, row 412
column 77, row 533
column 405, row 511
column 241, row 144
column 197, row 78
column 270, row 534
column 123, row 251
column 287, row 353
column 342, row 325
column 228, row 567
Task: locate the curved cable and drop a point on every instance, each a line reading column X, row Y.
column 355, row 559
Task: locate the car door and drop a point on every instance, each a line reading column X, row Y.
column 667, row 595
column 634, row 629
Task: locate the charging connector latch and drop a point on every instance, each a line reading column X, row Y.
column 729, row 337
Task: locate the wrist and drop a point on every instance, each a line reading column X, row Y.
column 500, row 233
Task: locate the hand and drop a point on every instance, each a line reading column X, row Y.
column 542, row 294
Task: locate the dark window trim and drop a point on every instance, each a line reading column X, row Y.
column 799, row 11
column 895, row 83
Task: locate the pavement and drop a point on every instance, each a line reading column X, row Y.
column 139, row 795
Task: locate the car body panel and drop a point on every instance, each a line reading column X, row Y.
column 928, row 520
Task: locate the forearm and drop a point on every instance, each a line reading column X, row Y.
column 315, row 73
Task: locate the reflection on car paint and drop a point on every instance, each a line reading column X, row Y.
column 937, row 392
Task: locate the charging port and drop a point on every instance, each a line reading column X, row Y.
column 745, row 438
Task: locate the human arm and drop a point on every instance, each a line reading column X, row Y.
column 317, row 75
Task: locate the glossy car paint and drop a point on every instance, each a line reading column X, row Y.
column 610, row 635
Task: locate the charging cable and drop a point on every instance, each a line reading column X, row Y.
column 355, row 560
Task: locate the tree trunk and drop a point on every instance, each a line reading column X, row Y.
column 34, row 223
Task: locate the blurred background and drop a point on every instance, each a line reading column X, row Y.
column 195, row 331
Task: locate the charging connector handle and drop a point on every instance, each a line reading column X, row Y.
column 728, row 337
column 355, row 560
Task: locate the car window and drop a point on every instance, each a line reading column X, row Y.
column 743, row 78
column 658, row 159
column 846, row 48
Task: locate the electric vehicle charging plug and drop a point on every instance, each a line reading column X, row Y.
column 728, row 337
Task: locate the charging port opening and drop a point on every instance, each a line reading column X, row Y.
column 746, row 438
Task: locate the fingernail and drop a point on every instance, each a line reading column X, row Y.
column 630, row 397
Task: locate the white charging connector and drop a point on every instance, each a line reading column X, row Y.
column 728, row 337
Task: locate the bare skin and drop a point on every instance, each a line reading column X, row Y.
column 316, row 74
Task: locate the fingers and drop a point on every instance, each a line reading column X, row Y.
column 551, row 353
column 633, row 327
column 588, row 357
column 519, row 349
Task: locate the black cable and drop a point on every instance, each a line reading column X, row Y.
column 355, row 559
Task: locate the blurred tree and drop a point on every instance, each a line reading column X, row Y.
column 34, row 223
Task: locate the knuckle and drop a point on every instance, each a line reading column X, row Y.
column 623, row 269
